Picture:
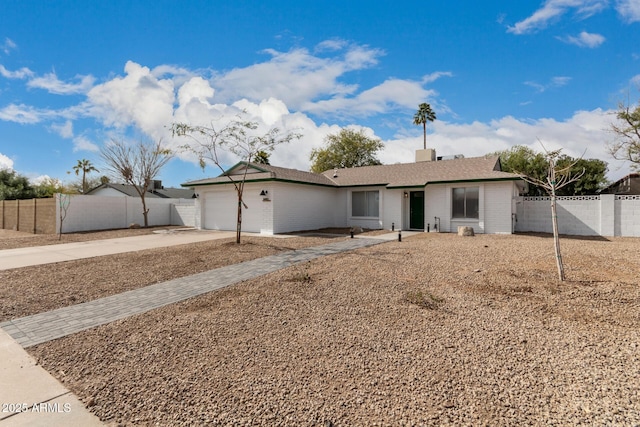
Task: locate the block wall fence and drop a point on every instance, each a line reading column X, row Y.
column 87, row 213
column 600, row 215
column 35, row 216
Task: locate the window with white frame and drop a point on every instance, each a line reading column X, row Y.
column 365, row 203
column 465, row 203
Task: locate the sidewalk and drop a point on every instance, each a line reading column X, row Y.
column 24, row 383
column 36, row 255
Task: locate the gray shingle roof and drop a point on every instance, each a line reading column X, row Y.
column 129, row 190
column 266, row 172
column 422, row 173
column 398, row 175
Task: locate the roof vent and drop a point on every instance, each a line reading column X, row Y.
column 335, row 173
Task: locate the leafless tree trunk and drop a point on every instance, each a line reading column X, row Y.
column 556, row 179
column 64, row 200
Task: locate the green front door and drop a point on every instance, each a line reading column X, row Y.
column 416, row 210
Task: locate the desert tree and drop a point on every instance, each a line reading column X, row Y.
column 348, row 148
column 238, row 137
column 626, row 130
column 422, row 116
column 523, row 160
column 15, row 186
column 556, row 178
column 136, row 164
column 84, row 166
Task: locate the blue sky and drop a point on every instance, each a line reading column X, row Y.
column 76, row 74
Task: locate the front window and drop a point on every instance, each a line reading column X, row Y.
column 365, row 203
column 466, row 203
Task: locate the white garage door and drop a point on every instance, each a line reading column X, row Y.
column 220, row 210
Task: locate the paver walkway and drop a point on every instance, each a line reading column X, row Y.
column 36, row 329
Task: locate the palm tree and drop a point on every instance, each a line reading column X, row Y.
column 423, row 115
column 86, row 167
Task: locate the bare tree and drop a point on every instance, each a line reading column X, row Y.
column 237, row 137
column 627, row 133
column 555, row 180
column 136, row 165
column 64, row 200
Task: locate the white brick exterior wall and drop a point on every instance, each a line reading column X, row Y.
column 437, row 204
column 498, row 207
column 306, row 207
column 495, row 203
column 392, row 209
column 286, row 207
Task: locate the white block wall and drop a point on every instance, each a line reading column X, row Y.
column 627, row 216
column 183, row 214
column 604, row 215
column 87, row 213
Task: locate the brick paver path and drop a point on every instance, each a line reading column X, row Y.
column 38, row 328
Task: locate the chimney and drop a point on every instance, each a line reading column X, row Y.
column 428, row 155
column 157, row 184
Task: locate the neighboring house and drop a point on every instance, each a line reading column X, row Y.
column 629, row 185
column 156, row 191
column 424, row 195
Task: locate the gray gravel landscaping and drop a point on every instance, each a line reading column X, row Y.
column 435, row 330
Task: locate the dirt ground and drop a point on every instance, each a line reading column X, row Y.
column 434, row 330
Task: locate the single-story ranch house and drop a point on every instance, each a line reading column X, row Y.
column 426, row 195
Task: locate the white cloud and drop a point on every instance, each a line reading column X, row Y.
column 430, row 78
column 629, row 10
column 5, row 162
column 331, row 45
column 65, row 130
column 555, row 82
column 81, row 143
column 139, row 99
column 51, row 83
column 296, row 77
column 8, row 46
column 23, row 114
column 391, row 94
column 22, row 73
column 553, row 9
column 635, row 80
column 585, row 39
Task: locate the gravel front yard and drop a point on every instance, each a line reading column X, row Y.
column 435, row 330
